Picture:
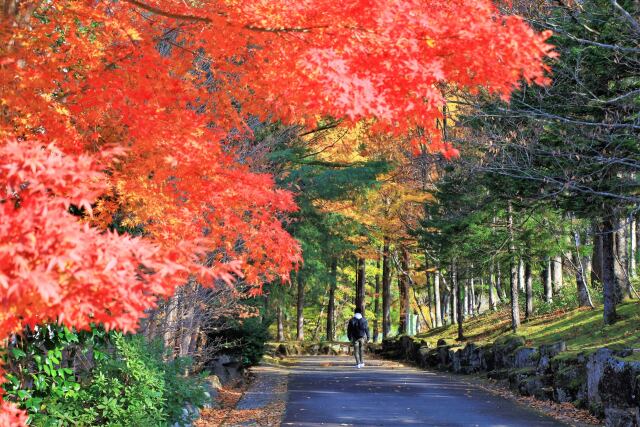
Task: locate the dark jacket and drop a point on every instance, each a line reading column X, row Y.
column 357, row 328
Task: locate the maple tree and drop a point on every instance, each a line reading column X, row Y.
column 122, row 109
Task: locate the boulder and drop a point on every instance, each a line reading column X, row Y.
column 226, row 367
column 613, row 387
column 548, row 352
column 569, row 375
column 620, row 417
column 487, row 359
column 525, row 357
column 444, row 342
column 504, row 348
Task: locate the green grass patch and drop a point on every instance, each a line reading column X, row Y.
column 581, row 329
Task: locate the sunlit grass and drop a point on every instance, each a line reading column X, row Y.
column 581, row 329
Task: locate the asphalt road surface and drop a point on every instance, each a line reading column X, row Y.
column 330, row 391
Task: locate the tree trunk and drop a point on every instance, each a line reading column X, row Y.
column 584, row 299
column 331, row 308
column 386, row 290
column 621, row 256
column 596, row 257
column 436, row 298
column 521, row 279
column 300, row 309
column 513, row 282
column 492, row 302
column 457, row 291
column 465, row 303
column 499, row 288
column 453, row 295
column 280, row 319
column 361, row 281
column 402, row 324
column 472, row 296
column 528, row 285
column 546, row 280
column 403, row 284
column 557, row 273
column 376, row 303
column 609, row 282
column 633, row 247
column 171, row 314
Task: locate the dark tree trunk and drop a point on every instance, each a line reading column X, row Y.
column 609, row 282
column 361, row 285
column 528, row 284
column 633, row 247
column 499, row 289
column 386, row 290
column 300, row 309
column 376, row 303
column 406, row 293
column 436, row 298
column 331, row 309
column 457, row 289
column 596, row 257
column 513, row 282
column 453, row 295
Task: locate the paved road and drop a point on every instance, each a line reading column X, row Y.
column 330, row 391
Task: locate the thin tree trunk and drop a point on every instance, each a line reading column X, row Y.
column 300, row 309
column 465, row 303
column 403, row 286
column 407, row 282
column 584, row 299
column 386, row 290
column 472, row 297
column 453, row 295
column 436, row 297
column 609, row 281
column 528, row 284
column 515, row 308
column 499, row 288
column 331, row 309
column 459, row 307
column 280, row 320
column 492, row 302
column 633, row 247
column 361, row 281
column 546, row 280
column 376, row 303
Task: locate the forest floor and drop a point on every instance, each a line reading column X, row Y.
column 256, row 402
column 582, row 329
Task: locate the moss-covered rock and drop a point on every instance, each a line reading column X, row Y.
column 569, row 378
column 504, row 348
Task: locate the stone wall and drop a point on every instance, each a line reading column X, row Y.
column 602, row 381
column 296, row 348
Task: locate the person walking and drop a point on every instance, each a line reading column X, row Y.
column 358, row 334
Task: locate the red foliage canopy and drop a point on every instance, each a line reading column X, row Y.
column 125, row 107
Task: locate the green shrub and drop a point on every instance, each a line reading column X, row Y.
column 125, row 382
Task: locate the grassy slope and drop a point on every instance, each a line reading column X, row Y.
column 581, row 329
